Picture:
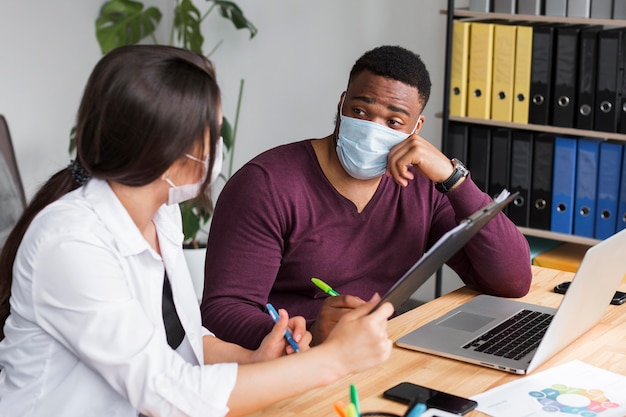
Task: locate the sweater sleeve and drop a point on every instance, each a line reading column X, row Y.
column 244, row 253
column 496, row 260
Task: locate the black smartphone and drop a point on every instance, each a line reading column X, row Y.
column 404, row 392
column 619, row 297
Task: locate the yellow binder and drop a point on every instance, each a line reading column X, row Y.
column 458, row 71
column 480, row 70
column 521, row 85
column 503, row 72
column 566, row 257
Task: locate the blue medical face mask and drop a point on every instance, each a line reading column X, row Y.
column 363, row 146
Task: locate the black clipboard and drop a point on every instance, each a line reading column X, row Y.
column 449, row 244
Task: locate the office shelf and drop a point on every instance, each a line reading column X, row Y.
column 452, row 14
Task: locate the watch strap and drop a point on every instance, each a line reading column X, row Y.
column 459, row 172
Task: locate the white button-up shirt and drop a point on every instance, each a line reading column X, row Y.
column 85, row 336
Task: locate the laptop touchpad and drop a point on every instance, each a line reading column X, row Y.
column 466, row 321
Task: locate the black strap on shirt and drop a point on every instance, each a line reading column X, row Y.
column 173, row 327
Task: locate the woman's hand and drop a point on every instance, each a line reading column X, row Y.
column 361, row 338
column 275, row 344
column 332, row 310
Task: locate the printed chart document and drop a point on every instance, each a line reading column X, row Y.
column 574, row 388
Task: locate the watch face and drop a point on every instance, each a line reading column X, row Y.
column 459, row 165
column 459, row 172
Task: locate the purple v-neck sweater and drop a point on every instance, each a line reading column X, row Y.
column 278, row 222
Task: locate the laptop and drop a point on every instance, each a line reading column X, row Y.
column 475, row 331
column 447, row 245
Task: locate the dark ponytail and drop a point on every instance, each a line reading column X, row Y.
column 57, row 186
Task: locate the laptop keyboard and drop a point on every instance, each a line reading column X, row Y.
column 515, row 337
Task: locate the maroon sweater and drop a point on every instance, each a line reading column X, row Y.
column 278, row 222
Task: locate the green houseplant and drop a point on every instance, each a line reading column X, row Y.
column 127, row 22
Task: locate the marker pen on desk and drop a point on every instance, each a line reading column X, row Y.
column 324, row 287
column 416, row 406
column 354, row 399
column 416, row 411
column 351, row 410
column 275, row 316
column 340, row 408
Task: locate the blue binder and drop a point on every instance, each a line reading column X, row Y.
column 586, row 187
column 563, row 182
column 608, row 189
column 621, row 204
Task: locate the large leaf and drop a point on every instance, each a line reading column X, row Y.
column 229, row 10
column 194, row 217
column 227, row 133
column 187, row 20
column 125, row 22
column 191, row 223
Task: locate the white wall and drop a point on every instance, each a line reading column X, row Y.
column 298, row 65
column 294, row 69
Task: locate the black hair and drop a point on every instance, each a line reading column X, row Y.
column 396, row 63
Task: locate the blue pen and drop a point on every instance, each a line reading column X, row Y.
column 417, row 410
column 275, row 316
column 416, row 406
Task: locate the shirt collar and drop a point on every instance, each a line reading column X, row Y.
column 130, row 241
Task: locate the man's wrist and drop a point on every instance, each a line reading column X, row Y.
column 455, row 179
column 458, row 184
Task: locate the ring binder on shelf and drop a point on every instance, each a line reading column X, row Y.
column 568, row 88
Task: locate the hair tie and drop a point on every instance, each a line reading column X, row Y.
column 79, row 174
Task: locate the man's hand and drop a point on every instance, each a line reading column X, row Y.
column 332, row 310
column 423, row 155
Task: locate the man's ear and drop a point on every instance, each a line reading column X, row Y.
column 420, row 123
column 340, row 103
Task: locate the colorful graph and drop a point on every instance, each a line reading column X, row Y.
column 572, row 400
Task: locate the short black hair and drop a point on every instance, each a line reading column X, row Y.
column 396, row 63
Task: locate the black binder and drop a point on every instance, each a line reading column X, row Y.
column 541, row 184
column 587, row 70
column 541, row 74
column 505, row 6
column 530, row 7
column 521, row 169
column 500, row 160
column 565, row 75
column 609, row 82
column 478, row 154
column 455, row 145
column 621, row 108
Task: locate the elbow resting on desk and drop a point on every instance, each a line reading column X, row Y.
column 511, row 282
column 510, row 286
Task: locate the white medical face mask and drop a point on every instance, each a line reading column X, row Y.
column 181, row 193
column 363, row 146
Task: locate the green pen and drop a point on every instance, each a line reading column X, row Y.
column 354, row 399
column 324, row 287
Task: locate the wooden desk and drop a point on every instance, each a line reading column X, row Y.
column 603, row 346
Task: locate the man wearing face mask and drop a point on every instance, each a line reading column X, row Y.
column 356, row 209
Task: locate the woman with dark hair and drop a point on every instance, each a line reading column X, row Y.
column 98, row 311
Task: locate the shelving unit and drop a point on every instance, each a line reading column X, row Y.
column 531, row 18
column 452, row 13
column 538, row 128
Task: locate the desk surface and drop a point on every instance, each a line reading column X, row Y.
column 603, row 346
